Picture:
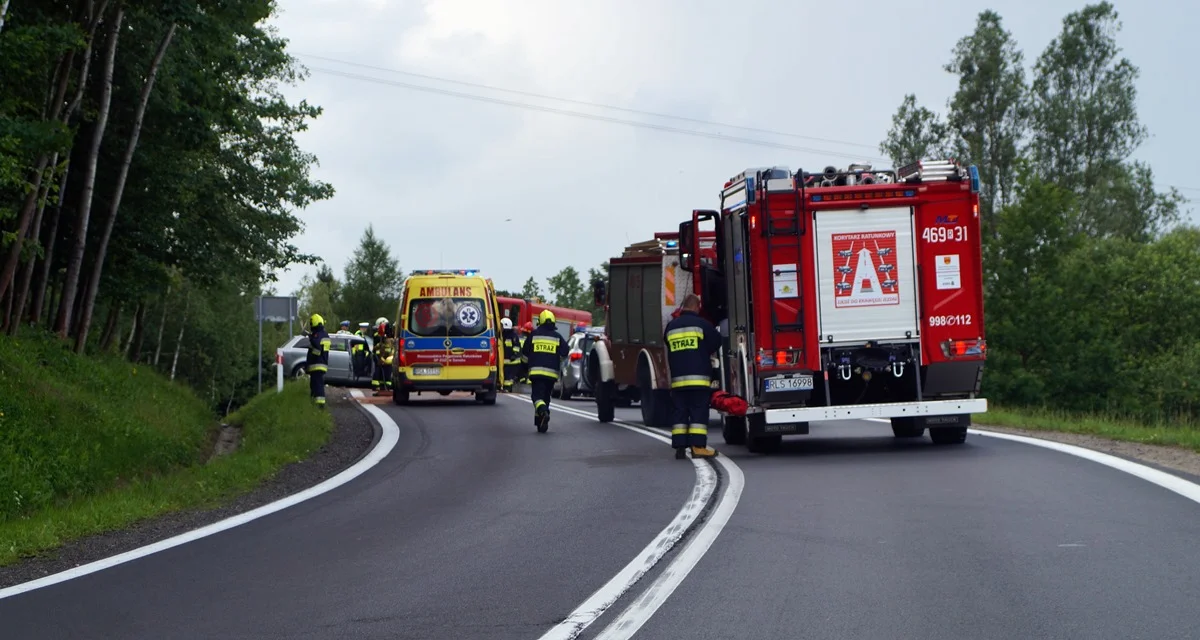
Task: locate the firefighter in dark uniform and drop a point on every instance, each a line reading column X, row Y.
column 317, row 361
column 543, row 353
column 360, row 355
column 384, row 352
column 512, row 354
column 691, row 342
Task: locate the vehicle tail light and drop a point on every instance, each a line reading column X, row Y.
column 491, row 352
column 780, row 358
column 964, row 348
column 576, row 355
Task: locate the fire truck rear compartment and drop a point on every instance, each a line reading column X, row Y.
column 866, row 276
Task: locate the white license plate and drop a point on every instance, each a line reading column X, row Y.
column 426, row 371
column 798, row 383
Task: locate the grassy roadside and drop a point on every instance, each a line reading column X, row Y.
column 1184, row 434
column 89, row 445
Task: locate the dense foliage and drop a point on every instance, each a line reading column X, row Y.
column 148, row 180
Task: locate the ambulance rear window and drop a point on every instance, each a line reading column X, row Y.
column 451, row 317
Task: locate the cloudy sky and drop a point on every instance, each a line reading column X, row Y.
column 453, row 175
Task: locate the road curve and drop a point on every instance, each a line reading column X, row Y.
column 850, row 533
column 474, row 526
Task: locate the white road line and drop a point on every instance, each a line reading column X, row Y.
column 1185, row 488
column 645, row 606
column 391, row 435
column 655, row 596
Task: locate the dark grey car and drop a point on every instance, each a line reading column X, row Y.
column 341, row 365
column 572, row 379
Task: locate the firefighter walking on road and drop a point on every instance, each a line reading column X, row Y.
column 543, row 353
column 512, row 354
column 317, row 361
column 691, row 342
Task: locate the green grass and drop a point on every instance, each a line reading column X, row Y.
column 89, row 445
column 1183, row 433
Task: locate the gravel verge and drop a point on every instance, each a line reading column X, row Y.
column 1173, row 459
column 353, row 435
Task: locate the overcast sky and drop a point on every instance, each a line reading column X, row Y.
column 519, row 191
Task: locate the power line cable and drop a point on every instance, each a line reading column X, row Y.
column 595, row 117
column 715, row 136
column 597, row 105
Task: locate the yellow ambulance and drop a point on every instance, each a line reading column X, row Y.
column 448, row 336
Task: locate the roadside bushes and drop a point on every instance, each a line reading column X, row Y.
column 71, row 426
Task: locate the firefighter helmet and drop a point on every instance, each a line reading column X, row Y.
column 316, row 320
column 546, row 316
column 505, row 323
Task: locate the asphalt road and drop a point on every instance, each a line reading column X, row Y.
column 477, row 527
column 851, row 533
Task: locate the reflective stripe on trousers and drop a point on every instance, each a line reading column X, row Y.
column 679, row 382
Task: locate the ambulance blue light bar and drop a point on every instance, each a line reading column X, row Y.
column 447, row 272
column 671, row 244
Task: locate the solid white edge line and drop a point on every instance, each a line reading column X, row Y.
column 388, row 440
column 639, row 612
column 1170, row 482
column 607, row 595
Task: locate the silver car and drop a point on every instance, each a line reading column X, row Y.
column 572, row 380
column 341, row 366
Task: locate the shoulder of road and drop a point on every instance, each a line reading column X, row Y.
column 1173, row 459
column 354, row 434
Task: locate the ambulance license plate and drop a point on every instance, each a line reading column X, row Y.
column 426, row 371
column 793, row 383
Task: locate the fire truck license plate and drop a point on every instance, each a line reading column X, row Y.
column 426, row 371
column 795, row 383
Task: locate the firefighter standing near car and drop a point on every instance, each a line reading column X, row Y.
column 383, row 356
column 359, row 353
column 691, row 342
column 543, row 353
column 512, row 354
column 317, row 361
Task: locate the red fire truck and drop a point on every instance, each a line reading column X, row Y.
column 844, row 294
column 645, row 286
column 522, row 311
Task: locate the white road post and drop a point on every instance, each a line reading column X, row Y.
column 279, row 370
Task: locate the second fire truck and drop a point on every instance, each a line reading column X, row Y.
column 843, row 294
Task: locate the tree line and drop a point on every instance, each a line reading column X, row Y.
column 567, row 288
column 368, row 289
column 1092, row 282
column 149, row 178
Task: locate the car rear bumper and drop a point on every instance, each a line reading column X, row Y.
column 404, row 382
